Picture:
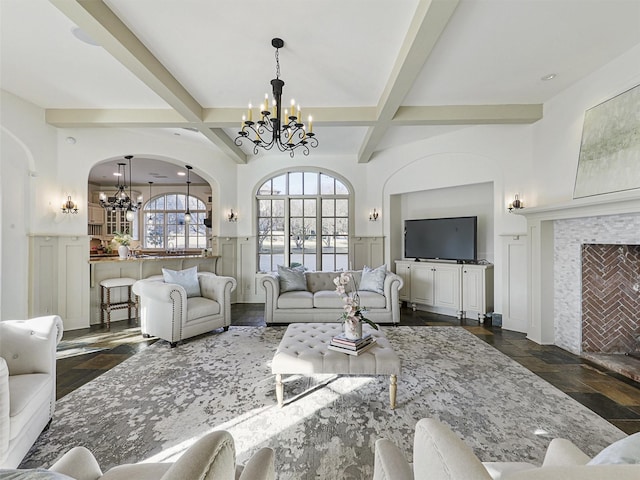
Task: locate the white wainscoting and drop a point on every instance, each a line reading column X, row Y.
column 59, row 278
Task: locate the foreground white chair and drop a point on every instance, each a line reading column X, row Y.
column 438, row 453
column 27, row 383
column 212, row 457
column 167, row 312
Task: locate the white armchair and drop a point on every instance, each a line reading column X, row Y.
column 439, row 453
column 212, row 457
column 27, row 383
column 166, row 311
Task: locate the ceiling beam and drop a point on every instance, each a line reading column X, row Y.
column 87, row 117
column 429, row 21
column 468, row 115
column 96, row 19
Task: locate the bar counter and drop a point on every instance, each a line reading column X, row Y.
column 102, row 267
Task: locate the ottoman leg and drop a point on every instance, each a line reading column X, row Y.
column 279, row 390
column 393, row 388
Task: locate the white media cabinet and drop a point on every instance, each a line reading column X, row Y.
column 462, row 290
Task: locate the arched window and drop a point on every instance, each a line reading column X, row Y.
column 303, row 218
column 164, row 226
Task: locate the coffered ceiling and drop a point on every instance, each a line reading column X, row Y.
column 373, row 73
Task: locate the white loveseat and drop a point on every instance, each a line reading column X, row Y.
column 319, row 302
column 439, row 453
column 27, row 383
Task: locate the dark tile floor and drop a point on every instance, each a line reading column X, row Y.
column 87, row 353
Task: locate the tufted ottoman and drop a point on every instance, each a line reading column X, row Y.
column 303, row 350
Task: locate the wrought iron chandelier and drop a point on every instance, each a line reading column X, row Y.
column 284, row 129
column 120, row 201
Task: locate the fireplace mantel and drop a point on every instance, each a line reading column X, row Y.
column 613, row 204
column 545, row 293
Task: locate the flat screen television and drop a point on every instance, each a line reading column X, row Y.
column 441, row 238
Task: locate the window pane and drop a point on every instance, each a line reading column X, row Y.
column 277, row 244
column 342, row 208
column 342, row 226
column 296, row 259
column 277, row 208
column 328, row 262
column 328, row 207
column 328, row 226
column 328, row 244
column 280, row 185
column 342, row 244
column 310, row 183
column 342, row 262
column 310, row 262
column 327, row 185
column 295, row 206
column 264, row 208
column 341, row 189
column 265, row 189
column 172, row 202
column 264, row 263
column 277, row 260
column 295, row 183
column 309, row 207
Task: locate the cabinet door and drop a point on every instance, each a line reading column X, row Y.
column 403, row 270
column 473, row 290
column 422, row 284
column 447, row 287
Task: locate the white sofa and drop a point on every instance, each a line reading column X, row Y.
column 320, row 302
column 27, row 383
column 439, row 453
column 168, row 313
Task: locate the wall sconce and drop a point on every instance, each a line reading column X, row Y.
column 69, row 206
column 232, row 217
column 373, row 215
column 516, row 204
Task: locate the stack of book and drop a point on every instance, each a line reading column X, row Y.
column 340, row 343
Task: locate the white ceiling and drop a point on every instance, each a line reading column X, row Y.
column 370, row 71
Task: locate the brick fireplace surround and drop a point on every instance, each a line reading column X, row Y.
column 596, row 309
column 610, row 298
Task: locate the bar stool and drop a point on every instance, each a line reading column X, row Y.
column 105, row 304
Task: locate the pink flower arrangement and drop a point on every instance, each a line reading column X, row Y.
column 353, row 312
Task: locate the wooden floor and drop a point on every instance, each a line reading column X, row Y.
column 85, row 354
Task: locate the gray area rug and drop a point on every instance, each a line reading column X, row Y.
column 157, row 403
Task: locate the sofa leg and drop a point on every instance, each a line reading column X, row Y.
column 226, row 329
column 173, row 344
column 48, row 425
column 146, row 335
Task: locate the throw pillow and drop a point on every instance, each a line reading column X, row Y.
column 292, row 279
column 373, row 279
column 623, row 451
column 188, row 279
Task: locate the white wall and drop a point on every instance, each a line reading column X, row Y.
column 27, row 146
column 557, row 137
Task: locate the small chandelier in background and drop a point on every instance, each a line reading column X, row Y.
column 516, row 204
column 285, row 129
column 120, row 200
column 69, row 206
column 232, row 217
column 373, row 216
column 187, row 214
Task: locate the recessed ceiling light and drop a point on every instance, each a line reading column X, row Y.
column 70, row 140
column 181, row 174
column 551, row 76
column 84, row 36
